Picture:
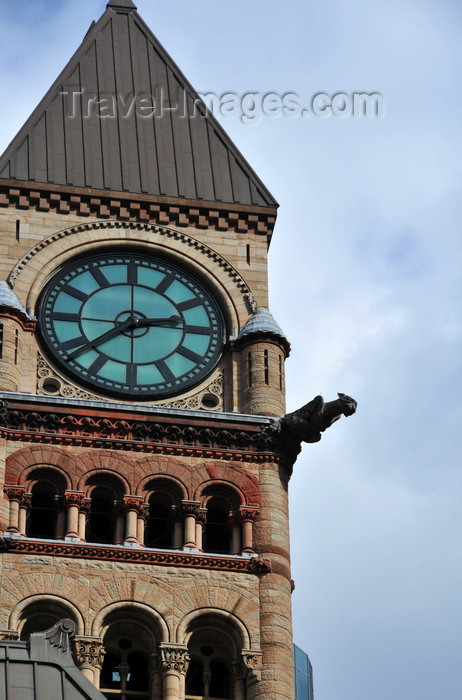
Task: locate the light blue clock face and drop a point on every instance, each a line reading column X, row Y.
column 131, row 325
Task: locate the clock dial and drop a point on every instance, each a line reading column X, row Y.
column 131, row 325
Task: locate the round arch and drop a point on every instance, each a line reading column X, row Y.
column 142, row 613
column 49, row 606
column 41, row 261
column 223, row 620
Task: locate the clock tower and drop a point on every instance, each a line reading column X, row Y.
column 140, row 367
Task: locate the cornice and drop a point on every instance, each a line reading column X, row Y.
column 72, row 550
column 124, row 206
column 162, row 431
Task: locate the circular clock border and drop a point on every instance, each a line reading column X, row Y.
column 66, row 357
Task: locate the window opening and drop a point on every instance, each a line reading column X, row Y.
column 41, row 521
column 216, row 532
column 159, row 523
column 100, row 525
column 249, row 369
column 266, row 365
column 16, row 345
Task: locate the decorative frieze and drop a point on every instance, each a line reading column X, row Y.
column 248, row 565
column 257, row 220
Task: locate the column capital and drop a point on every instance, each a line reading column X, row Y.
column 173, row 657
column 248, row 513
column 190, row 508
column 73, row 498
column 14, row 492
column 89, row 651
column 132, row 503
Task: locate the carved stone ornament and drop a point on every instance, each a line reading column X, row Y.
column 89, row 651
column 173, row 657
column 60, row 635
column 308, row 422
column 51, row 383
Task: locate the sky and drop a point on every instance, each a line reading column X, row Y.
column 365, row 281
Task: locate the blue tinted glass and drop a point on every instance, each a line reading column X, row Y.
column 151, row 304
column 301, row 660
column 93, row 329
column 301, row 686
column 149, row 374
column 108, row 303
column 118, row 348
column 149, row 277
column 179, row 364
column 157, row 343
column 85, row 282
column 87, row 358
column 198, row 343
column 115, row 371
column 67, row 303
column 179, row 292
column 197, row 316
column 65, row 330
column 115, row 273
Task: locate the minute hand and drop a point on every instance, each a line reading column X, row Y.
column 128, row 324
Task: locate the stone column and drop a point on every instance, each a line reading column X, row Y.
column 248, row 516
column 84, row 512
column 252, row 664
column 236, row 527
column 201, row 518
column 190, row 512
column 178, row 527
column 89, row 657
column 24, row 508
column 132, row 506
column 119, row 533
column 15, row 495
column 143, row 514
column 173, row 662
column 61, row 518
column 73, row 501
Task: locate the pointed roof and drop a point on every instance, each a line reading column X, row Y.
column 99, row 127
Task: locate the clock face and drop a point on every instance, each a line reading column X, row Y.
column 131, row 325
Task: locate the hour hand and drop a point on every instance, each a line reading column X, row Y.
column 170, row 322
column 119, row 328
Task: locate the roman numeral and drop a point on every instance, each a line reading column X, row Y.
column 97, row 364
column 189, row 354
column 73, row 342
column 189, row 304
column 201, row 330
column 165, row 283
column 98, row 276
column 132, row 273
column 165, row 370
column 131, row 375
column 63, row 316
column 68, row 289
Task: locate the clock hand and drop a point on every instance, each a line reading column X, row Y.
column 128, row 324
column 167, row 322
column 119, row 328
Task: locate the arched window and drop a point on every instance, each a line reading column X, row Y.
column 221, row 503
column 195, row 678
column 163, row 496
column 216, row 532
column 42, row 517
column 40, row 615
column 100, row 523
column 159, row 522
column 129, row 642
column 212, row 647
column 219, row 679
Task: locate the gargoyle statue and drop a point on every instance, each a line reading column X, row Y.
column 307, row 424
